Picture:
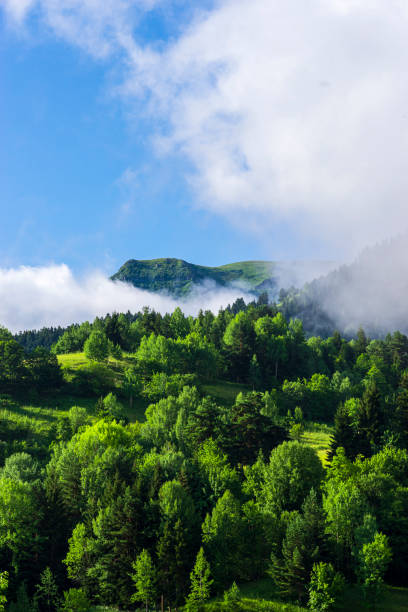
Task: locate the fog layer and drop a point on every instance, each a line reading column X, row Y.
column 34, row 297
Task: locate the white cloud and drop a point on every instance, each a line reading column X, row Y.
column 99, row 27
column 297, row 111
column 288, row 110
column 18, row 9
column 33, row 297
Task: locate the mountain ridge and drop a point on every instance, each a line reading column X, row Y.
column 177, row 276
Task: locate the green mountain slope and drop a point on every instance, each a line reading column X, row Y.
column 177, row 277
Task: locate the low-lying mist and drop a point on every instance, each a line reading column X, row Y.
column 35, row 297
column 372, row 292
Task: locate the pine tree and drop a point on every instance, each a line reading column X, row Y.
column 401, row 418
column 200, row 582
column 304, row 544
column 343, row 434
column 255, row 374
column 120, row 535
column 47, row 590
column 144, row 578
column 174, row 558
column 370, row 421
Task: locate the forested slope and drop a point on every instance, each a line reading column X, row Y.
column 154, row 456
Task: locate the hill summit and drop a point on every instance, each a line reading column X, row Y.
column 177, row 277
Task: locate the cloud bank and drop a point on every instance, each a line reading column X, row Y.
column 287, row 111
column 372, row 292
column 35, row 297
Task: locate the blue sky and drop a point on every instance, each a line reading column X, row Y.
column 79, row 181
column 213, row 132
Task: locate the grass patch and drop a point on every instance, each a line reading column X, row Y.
column 255, row 596
column 319, row 440
column 224, row 392
column 395, row 599
column 72, row 361
column 261, row 596
column 253, row 605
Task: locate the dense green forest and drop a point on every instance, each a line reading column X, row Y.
column 217, row 462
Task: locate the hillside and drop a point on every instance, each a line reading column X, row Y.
column 177, row 277
column 168, row 442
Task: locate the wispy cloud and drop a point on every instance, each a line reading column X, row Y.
column 33, row 297
column 286, row 110
column 128, row 184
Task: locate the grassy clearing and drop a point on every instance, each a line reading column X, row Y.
column 224, row 392
column 261, row 596
column 73, row 361
column 247, row 604
column 319, row 440
column 255, row 596
column 395, row 599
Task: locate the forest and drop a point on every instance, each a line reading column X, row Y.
column 217, row 462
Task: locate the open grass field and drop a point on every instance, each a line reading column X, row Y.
column 319, row 440
column 71, row 362
column 224, row 392
column 255, row 596
column 394, row 600
column 76, row 360
column 261, row 596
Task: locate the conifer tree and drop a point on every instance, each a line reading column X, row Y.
column 144, row 578
column 47, row 590
column 401, row 419
column 174, row 555
column 343, row 434
column 370, row 420
column 255, row 374
column 200, row 582
column 120, row 534
column 304, row 544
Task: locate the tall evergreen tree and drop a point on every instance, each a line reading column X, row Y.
column 401, row 418
column 174, row 556
column 370, row 421
column 305, row 543
column 47, row 591
column 200, row 582
column 343, row 434
column 145, row 578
